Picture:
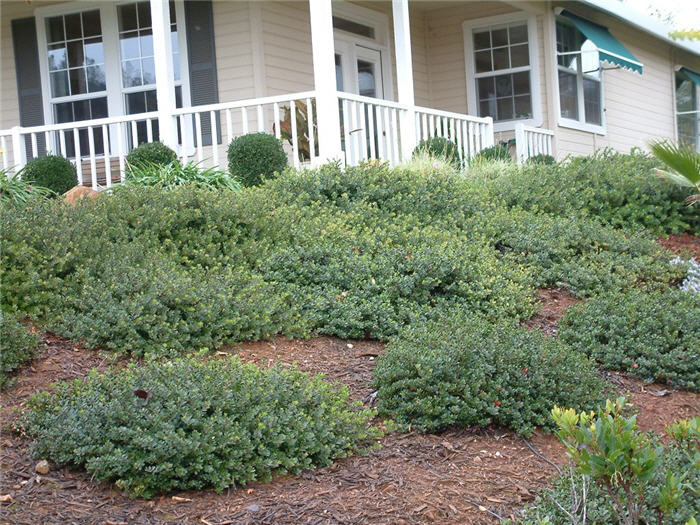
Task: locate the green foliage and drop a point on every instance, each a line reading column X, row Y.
column 52, row 171
column 256, row 157
column 683, row 164
column 439, row 148
column 17, row 346
column 620, row 475
column 147, row 173
column 184, row 424
column 652, row 334
column 495, row 152
column 150, row 153
column 16, row 192
column 542, row 159
column 619, row 189
column 462, row 370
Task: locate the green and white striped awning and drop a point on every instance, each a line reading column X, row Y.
column 610, row 48
column 692, row 75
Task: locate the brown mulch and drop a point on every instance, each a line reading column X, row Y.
column 683, row 244
column 552, row 305
column 460, row 476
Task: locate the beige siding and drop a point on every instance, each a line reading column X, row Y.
column 234, row 56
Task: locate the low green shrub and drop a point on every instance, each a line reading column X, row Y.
column 542, row 159
column 620, row 475
column 52, row 171
column 16, row 192
column 495, row 152
column 652, row 334
column 462, row 370
column 169, row 176
column 185, row 424
column 150, row 153
column 622, row 190
column 439, row 148
column 256, row 157
column 17, row 346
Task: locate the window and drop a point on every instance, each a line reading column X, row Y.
column 501, row 69
column 138, row 68
column 99, row 61
column 76, row 65
column 687, row 110
column 580, row 78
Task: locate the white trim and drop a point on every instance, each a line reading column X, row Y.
column 468, row 28
column 579, row 125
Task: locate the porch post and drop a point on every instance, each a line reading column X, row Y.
column 327, row 109
column 165, row 89
column 404, row 76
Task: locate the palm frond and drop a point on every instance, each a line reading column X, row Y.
column 675, row 178
column 682, row 159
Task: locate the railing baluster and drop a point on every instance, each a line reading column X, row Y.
column 229, row 127
column 3, row 145
column 107, row 156
column 149, row 130
column 362, row 107
column 381, row 150
column 134, row 135
column 35, row 148
column 78, row 159
column 431, row 128
column 244, row 119
column 62, row 142
column 276, row 111
column 261, row 119
column 183, row 146
column 395, row 135
column 295, row 137
column 370, row 127
column 346, row 132
column 47, row 143
column 214, row 138
column 91, row 150
column 121, row 127
column 424, row 131
column 460, row 141
column 198, row 131
column 310, row 130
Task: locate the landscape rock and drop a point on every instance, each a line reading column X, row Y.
column 42, row 467
column 79, row 192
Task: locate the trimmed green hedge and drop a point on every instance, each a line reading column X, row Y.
column 654, row 335
column 149, row 153
column 256, row 157
column 53, row 172
column 184, row 424
column 462, row 370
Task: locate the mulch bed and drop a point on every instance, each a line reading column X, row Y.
column 459, row 476
column 683, row 244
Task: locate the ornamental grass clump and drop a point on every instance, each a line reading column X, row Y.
column 652, row 334
column 463, row 370
column 185, row 424
column 174, row 174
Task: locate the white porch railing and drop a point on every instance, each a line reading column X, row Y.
column 471, row 134
column 530, row 141
column 370, row 129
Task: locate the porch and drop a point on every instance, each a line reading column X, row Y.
column 317, row 125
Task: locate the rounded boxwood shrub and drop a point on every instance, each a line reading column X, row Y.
column 548, row 160
column 496, row 152
column 53, row 172
column 150, row 153
column 462, row 370
column 655, row 335
column 255, row 157
column 17, row 346
column 185, row 424
column 439, row 147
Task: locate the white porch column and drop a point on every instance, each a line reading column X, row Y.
column 327, row 109
column 404, row 75
column 165, row 89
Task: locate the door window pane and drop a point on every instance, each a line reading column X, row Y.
column 338, row 73
column 366, row 78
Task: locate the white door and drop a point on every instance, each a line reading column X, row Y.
column 358, row 69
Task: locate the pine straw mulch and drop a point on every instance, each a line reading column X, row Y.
column 459, row 476
column 683, row 244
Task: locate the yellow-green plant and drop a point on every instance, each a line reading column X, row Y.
column 608, row 448
column 683, row 164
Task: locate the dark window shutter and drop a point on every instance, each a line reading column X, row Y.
column 31, row 107
column 202, row 60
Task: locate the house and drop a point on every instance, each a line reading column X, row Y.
column 337, row 80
